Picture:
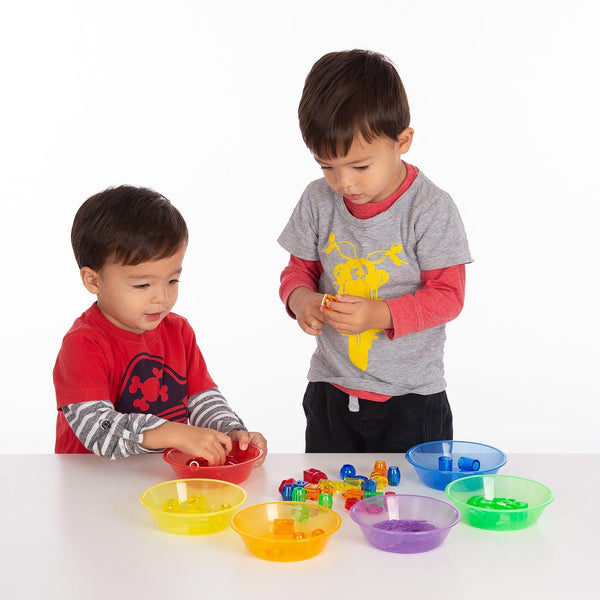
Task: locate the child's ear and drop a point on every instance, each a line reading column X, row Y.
column 90, row 279
column 405, row 140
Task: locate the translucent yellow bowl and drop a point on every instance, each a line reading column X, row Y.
column 286, row 531
column 193, row 506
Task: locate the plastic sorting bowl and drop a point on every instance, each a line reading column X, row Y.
column 237, row 468
column 425, row 460
column 535, row 494
column 404, row 523
column 222, row 500
column 286, row 531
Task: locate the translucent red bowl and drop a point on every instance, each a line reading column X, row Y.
column 237, row 467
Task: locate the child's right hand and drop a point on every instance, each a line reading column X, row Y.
column 306, row 305
column 211, row 445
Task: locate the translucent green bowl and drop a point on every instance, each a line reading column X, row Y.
column 497, row 501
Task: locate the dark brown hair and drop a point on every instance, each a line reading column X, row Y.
column 128, row 225
column 349, row 93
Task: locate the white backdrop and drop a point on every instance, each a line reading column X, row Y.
column 198, row 100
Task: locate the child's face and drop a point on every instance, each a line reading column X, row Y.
column 370, row 172
column 136, row 297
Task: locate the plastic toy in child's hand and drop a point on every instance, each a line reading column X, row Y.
column 327, row 298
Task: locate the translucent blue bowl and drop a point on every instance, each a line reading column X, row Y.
column 425, row 458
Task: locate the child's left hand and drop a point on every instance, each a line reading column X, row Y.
column 352, row 315
column 250, row 437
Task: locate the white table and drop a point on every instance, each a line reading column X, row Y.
column 73, row 527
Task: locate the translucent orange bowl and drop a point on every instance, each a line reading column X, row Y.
column 286, row 531
column 237, row 468
column 193, row 506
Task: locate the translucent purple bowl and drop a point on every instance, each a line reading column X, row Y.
column 404, row 523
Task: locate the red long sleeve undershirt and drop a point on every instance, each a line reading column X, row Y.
column 439, row 299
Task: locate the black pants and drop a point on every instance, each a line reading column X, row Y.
column 392, row 426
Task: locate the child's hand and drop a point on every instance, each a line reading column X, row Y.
column 352, row 315
column 250, row 437
column 306, row 305
column 212, row 445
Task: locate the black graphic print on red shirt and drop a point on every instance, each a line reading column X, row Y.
column 150, row 386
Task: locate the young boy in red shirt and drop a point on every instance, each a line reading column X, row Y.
column 129, row 376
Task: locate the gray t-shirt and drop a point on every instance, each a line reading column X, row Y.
column 379, row 258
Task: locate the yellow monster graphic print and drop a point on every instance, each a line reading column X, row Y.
column 361, row 277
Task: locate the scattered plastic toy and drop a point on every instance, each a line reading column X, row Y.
column 350, row 502
column 284, row 482
column 379, row 468
column 299, row 494
column 313, row 475
column 286, row 491
column 316, row 487
column 354, row 493
column 347, row 471
column 326, row 500
column 393, row 476
column 370, row 485
column 313, row 491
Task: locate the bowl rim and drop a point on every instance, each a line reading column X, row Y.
column 456, row 520
column 409, row 452
column 168, row 451
column 448, row 490
column 144, row 502
column 287, row 503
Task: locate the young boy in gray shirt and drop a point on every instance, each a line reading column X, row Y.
column 377, row 265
